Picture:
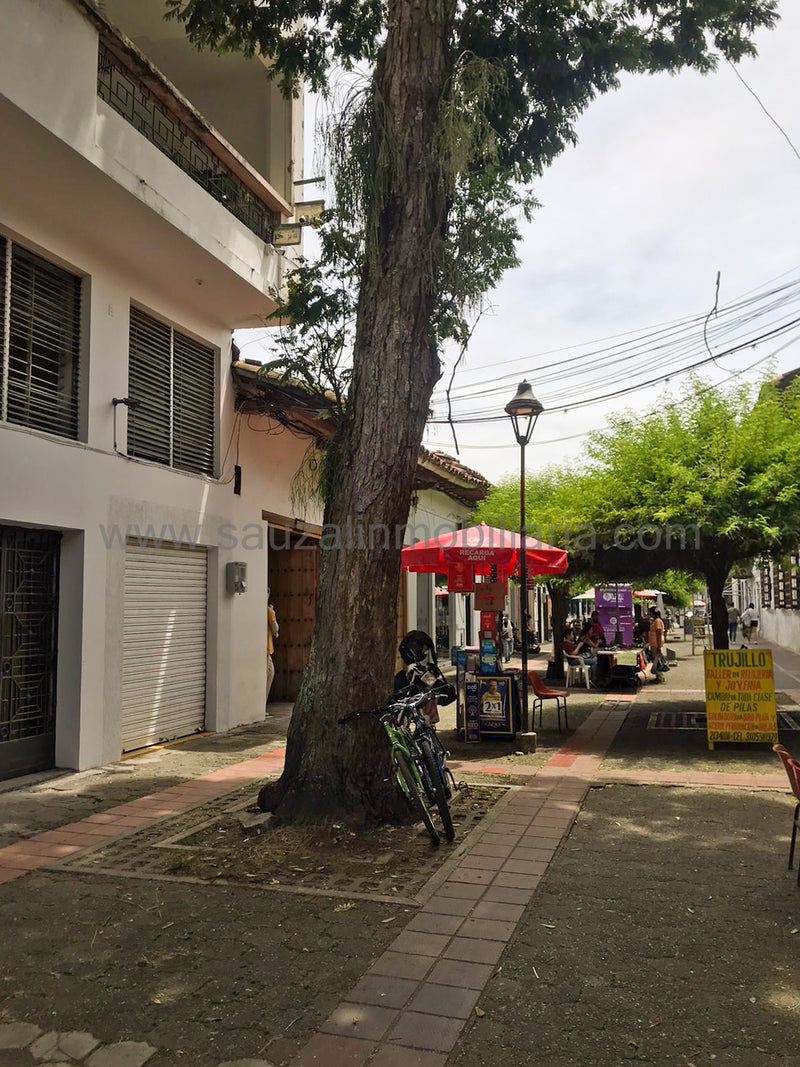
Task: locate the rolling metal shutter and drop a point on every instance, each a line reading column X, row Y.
column 164, row 644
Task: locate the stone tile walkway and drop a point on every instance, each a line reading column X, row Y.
column 409, row 1009
column 42, row 849
column 411, row 1006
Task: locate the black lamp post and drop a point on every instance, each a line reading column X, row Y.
column 524, row 410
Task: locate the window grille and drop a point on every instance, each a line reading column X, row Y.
column 174, row 378
column 766, row 584
column 40, row 334
column 786, row 585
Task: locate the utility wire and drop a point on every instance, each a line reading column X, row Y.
column 761, row 104
column 750, row 343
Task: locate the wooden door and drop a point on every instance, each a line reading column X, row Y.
column 293, row 576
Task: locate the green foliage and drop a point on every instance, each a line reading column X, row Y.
column 317, row 315
column 520, row 76
column 725, row 461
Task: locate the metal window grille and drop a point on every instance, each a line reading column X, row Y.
column 121, row 88
column 766, row 584
column 786, row 585
column 174, row 377
column 40, row 332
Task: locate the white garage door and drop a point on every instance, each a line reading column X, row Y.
column 164, row 644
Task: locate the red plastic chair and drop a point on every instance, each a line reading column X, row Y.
column 541, row 692
column 792, row 768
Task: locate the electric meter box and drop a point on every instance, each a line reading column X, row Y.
column 236, row 578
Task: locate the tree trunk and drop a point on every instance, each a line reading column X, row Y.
column 717, row 567
column 343, row 771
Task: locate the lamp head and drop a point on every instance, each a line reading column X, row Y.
column 524, row 410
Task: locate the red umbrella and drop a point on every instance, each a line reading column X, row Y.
column 485, row 547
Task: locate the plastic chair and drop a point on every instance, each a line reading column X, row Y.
column 792, row 768
column 577, row 671
column 541, row 692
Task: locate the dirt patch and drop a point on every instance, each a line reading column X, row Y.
column 208, row 844
column 206, row 973
column 665, row 933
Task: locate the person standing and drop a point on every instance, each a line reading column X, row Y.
column 750, row 624
column 733, row 622
column 655, row 642
column 506, row 638
column 272, row 633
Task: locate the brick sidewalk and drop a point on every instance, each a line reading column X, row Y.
column 411, row 1006
column 409, row 1009
column 41, row 849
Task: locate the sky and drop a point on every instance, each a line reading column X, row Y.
column 673, row 179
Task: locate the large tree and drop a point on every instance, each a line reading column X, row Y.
column 465, row 102
column 701, row 483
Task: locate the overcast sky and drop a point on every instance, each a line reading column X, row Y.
column 672, row 180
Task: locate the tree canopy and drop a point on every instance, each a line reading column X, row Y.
column 462, row 106
column 697, row 485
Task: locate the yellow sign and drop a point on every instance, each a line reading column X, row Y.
column 740, row 696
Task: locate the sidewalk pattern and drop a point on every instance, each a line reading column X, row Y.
column 411, row 1006
column 41, row 849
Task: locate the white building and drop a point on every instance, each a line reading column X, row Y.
column 140, row 186
column 134, row 236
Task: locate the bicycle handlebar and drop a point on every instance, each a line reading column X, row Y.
column 410, row 700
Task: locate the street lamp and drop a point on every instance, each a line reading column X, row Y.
column 523, row 410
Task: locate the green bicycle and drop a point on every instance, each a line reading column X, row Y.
column 403, row 753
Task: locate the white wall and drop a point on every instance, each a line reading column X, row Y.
column 780, row 626
column 78, row 157
column 96, row 497
column 434, row 513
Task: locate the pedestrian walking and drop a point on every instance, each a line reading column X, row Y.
column 655, row 642
column 750, row 624
column 272, row 633
column 507, row 638
column 733, row 622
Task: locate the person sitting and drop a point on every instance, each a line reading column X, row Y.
column 596, row 631
column 586, row 650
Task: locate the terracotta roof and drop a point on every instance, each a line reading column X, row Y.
column 295, row 405
column 453, row 466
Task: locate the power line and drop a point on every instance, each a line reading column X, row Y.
column 750, row 343
column 672, row 342
column 761, row 104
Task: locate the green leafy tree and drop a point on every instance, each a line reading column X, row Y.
column 466, row 102
column 702, row 483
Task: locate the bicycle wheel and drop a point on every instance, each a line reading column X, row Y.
column 438, row 784
column 412, row 791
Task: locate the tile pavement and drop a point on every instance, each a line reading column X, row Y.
column 411, row 1006
column 409, row 1009
column 46, row 848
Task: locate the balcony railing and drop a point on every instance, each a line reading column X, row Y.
column 123, row 89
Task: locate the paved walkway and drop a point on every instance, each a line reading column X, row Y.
column 409, row 1009
column 42, row 849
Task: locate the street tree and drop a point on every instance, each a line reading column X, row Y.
column 465, row 103
column 701, row 483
